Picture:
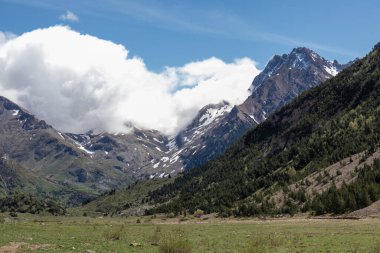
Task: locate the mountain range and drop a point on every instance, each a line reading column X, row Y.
column 77, row 167
column 318, row 154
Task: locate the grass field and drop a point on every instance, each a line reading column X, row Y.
column 82, row 234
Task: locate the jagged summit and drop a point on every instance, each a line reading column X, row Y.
column 209, row 113
column 299, row 59
column 285, row 77
column 194, row 141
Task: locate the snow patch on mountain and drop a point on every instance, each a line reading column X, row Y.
column 165, row 159
column 157, row 140
column 254, row 119
column 331, row 70
column 212, row 113
column 60, row 134
column 172, row 145
column 84, row 149
column 15, row 112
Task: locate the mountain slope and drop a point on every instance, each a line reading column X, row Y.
column 142, row 154
column 324, row 125
column 127, row 201
column 14, row 177
column 74, row 168
column 282, row 80
column 216, row 127
column 43, row 151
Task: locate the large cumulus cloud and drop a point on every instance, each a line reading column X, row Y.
column 79, row 82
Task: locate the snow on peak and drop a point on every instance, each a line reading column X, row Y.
column 157, row 140
column 212, row 113
column 172, row 145
column 314, row 56
column 299, row 61
column 15, row 112
column 60, row 134
column 254, row 119
column 331, row 70
column 85, row 150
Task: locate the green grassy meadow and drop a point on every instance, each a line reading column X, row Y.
column 81, row 234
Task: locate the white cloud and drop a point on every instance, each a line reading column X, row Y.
column 69, row 16
column 79, row 82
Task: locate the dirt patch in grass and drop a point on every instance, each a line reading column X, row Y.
column 18, row 247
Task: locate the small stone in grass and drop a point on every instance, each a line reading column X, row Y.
column 135, row 244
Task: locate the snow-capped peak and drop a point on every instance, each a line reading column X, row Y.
column 299, row 59
column 213, row 113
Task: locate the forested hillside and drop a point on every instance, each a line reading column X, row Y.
column 324, row 125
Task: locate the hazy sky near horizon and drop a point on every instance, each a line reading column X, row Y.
column 91, row 64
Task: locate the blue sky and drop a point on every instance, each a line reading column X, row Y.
column 172, row 33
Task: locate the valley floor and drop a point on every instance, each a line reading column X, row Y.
column 83, row 234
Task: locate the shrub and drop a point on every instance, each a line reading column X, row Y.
column 198, row 213
column 13, row 214
column 171, row 215
column 175, row 242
